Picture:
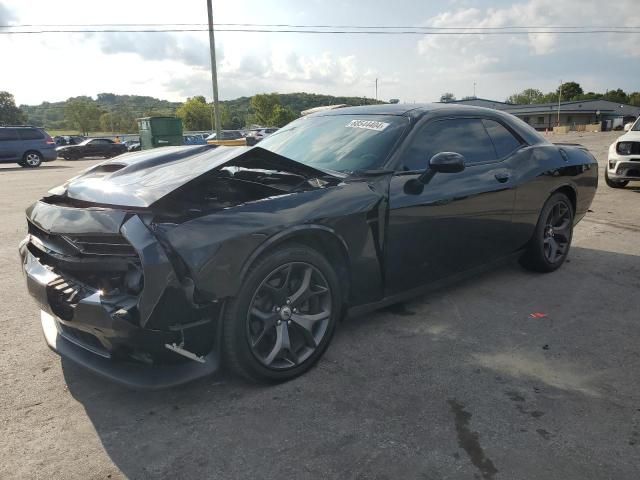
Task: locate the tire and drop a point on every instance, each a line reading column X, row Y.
column 31, row 159
column 255, row 344
column 551, row 241
column 614, row 183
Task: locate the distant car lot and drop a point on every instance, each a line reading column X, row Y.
column 403, row 393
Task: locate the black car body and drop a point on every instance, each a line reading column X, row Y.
column 136, row 262
column 92, row 147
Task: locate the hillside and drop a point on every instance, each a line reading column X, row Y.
column 51, row 114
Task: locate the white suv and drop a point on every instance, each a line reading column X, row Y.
column 624, row 158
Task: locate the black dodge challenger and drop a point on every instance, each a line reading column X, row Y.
column 157, row 267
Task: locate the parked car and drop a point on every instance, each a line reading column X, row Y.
column 26, row 145
column 194, row 140
column 152, row 268
column 228, row 138
column 132, row 146
column 93, row 147
column 263, row 133
column 623, row 165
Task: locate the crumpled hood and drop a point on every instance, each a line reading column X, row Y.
column 139, row 179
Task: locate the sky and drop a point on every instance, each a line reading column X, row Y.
column 413, row 68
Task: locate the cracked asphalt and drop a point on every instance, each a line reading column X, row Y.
column 459, row 384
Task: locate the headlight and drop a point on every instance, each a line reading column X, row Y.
column 624, row 148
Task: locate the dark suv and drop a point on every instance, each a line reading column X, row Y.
column 27, row 146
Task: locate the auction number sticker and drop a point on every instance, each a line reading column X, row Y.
column 368, row 125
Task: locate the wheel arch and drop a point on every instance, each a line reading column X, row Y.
column 32, row 150
column 321, row 238
column 570, row 192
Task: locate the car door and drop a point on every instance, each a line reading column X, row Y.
column 9, row 145
column 457, row 221
column 98, row 147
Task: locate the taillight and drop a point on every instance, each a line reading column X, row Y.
column 49, row 141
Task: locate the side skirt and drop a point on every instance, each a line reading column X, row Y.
column 359, row 310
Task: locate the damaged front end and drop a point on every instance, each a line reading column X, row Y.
column 114, row 295
column 111, row 299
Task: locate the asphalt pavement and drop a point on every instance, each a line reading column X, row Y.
column 463, row 383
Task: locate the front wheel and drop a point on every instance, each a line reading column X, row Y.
column 614, row 183
column 549, row 246
column 283, row 319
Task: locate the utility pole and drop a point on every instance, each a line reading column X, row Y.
column 376, row 89
column 474, row 89
column 214, row 70
column 559, row 97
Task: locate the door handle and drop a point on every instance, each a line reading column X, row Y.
column 502, row 177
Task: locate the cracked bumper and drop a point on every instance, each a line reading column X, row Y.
column 97, row 336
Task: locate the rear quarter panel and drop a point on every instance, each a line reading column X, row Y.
column 546, row 169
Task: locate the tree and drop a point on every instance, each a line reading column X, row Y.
column 618, row 95
column 195, row 114
column 264, row 107
column 570, row 91
column 82, row 114
column 282, row 116
column 119, row 120
column 526, row 97
column 634, row 99
column 9, row 112
column 447, row 97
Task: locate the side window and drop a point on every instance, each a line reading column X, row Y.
column 466, row 136
column 8, row 134
column 30, row 134
column 504, row 141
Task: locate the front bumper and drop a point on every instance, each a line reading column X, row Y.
column 99, row 332
column 130, row 374
column 623, row 167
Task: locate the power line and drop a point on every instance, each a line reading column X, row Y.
column 339, row 27
column 336, row 32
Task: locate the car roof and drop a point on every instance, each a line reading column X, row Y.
column 407, row 109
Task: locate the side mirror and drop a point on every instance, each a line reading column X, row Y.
column 447, row 162
column 443, row 162
column 628, row 126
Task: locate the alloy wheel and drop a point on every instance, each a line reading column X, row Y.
column 32, row 159
column 289, row 315
column 557, row 232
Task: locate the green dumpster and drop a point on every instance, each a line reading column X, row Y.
column 159, row 132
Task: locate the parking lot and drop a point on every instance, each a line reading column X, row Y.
column 460, row 384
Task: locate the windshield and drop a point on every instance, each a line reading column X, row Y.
column 636, row 126
column 344, row 143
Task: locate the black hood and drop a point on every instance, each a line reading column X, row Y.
column 140, row 179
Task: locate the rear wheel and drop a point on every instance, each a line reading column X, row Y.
column 549, row 246
column 31, row 160
column 614, row 183
column 284, row 316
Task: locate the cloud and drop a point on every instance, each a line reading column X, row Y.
column 281, row 71
column 485, row 53
column 6, row 15
column 161, row 46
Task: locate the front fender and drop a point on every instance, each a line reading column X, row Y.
column 218, row 249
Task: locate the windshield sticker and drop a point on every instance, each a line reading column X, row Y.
column 368, row 125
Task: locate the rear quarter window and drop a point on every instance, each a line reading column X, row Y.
column 503, row 140
column 8, row 134
column 30, row 134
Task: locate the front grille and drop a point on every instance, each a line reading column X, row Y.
column 63, row 295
